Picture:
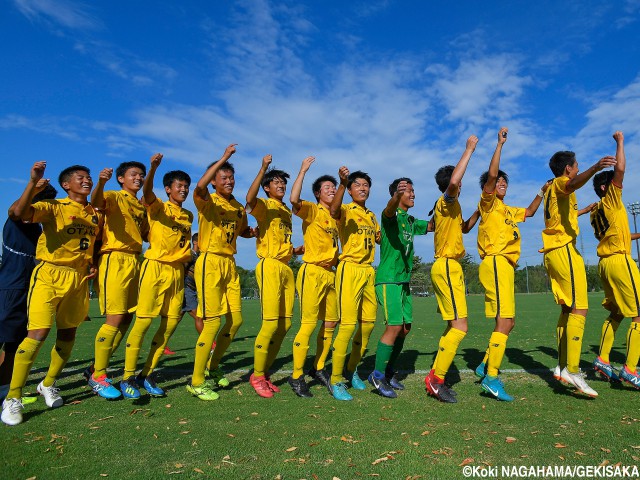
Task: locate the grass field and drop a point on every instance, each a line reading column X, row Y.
column 244, row 436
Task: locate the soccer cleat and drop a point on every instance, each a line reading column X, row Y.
column 51, row 396
column 12, row 411
column 494, row 386
column 393, row 381
column 481, row 370
column 29, row 399
column 88, row 372
column 217, row 376
column 356, row 381
column 632, row 378
column 203, row 392
column 556, row 373
column 150, row 385
column 578, row 381
column 339, row 392
column 437, row 388
column 273, row 387
column 261, row 386
column 130, row 388
column 605, row 370
column 321, row 376
column 168, row 351
column 451, row 390
column 103, row 387
column 300, row 387
column 381, row 384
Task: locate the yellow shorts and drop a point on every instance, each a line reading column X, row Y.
column 277, row 289
column 565, row 267
column 218, row 285
column 497, row 277
column 161, row 289
column 447, row 279
column 621, row 282
column 117, row 285
column 317, row 294
column 356, row 289
column 59, row 294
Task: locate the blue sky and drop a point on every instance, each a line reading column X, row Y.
column 390, row 87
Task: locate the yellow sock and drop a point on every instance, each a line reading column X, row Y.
column 561, row 337
column 485, row 359
column 25, row 356
column 284, row 324
column 340, row 346
column 60, row 353
column 134, row 342
column 447, row 351
column 323, row 346
column 168, row 325
column 609, row 329
column 301, row 347
column 232, row 323
column 122, row 331
column 574, row 334
column 633, row 346
column 360, row 342
column 203, row 349
column 497, row 346
column 103, row 348
column 261, row 347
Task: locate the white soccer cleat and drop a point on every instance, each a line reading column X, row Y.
column 51, row 396
column 556, row 373
column 578, row 381
column 12, row 411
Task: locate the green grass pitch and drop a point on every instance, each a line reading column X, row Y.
column 244, row 436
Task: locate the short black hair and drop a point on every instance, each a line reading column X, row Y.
column 124, row 166
column 560, row 160
column 485, row 176
column 393, row 186
column 47, row 193
column 174, row 175
column 272, row 174
column 600, row 179
column 358, row 174
column 443, row 177
column 317, row 183
column 194, row 237
column 227, row 166
column 66, row 174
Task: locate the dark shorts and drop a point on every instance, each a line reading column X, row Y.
column 190, row 301
column 13, row 315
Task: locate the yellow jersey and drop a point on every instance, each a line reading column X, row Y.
column 169, row 232
column 320, row 234
column 357, row 228
column 447, row 237
column 611, row 224
column 274, row 223
column 498, row 232
column 220, row 222
column 69, row 232
column 125, row 223
column 560, row 216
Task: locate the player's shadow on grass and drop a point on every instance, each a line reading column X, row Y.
column 614, row 356
column 534, row 367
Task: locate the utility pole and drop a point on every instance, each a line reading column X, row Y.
column 635, row 210
column 526, row 268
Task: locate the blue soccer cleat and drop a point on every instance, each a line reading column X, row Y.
column 129, row 388
column 356, row 381
column 150, row 385
column 390, row 375
column 494, row 386
column 102, row 386
column 381, row 384
column 605, row 370
column 339, row 391
column 481, row 370
column 632, row 378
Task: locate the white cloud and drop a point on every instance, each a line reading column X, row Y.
column 64, row 13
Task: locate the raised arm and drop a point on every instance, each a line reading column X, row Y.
column 21, row 209
column 296, row 188
column 471, row 222
column 583, row 177
column 587, row 209
column 394, row 201
column 335, row 209
column 621, row 160
column 97, row 196
column 461, row 167
column 252, row 193
column 535, row 203
column 147, row 187
column 635, row 236
column 494, row 166
column 202, row 187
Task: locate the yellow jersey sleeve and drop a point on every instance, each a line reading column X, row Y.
column 274, row 224
column 125, row 222
column 498, row 232
column 320, row 235
column 69, row 232
column 447, row 237
column 611, row 224
column 220, row 222
column 357, row 228
column 560, row 216
column 169, row 232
